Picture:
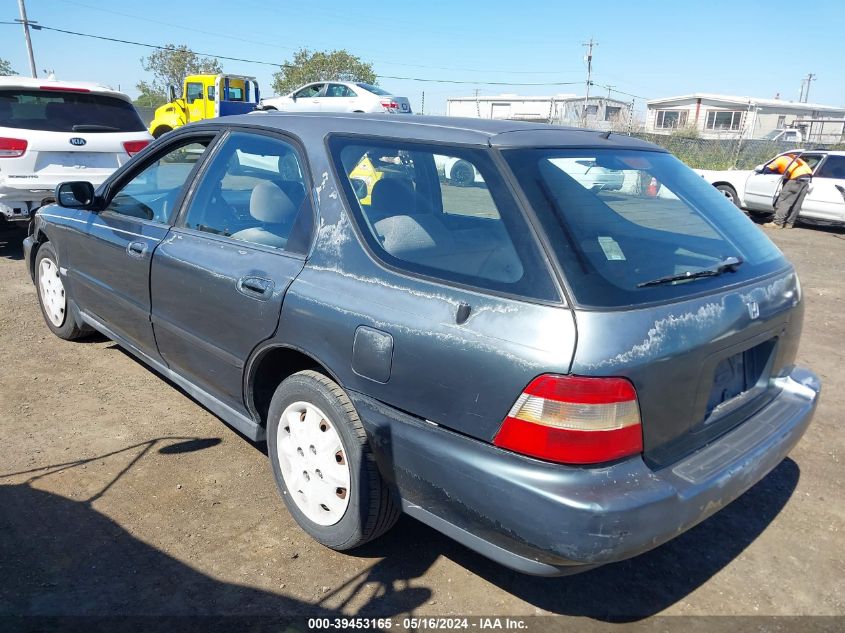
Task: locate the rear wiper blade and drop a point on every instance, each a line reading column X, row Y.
column 729, row 264
column 92, row 127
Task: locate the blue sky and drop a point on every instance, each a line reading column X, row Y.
column 646, row 48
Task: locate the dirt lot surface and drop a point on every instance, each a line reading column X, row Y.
column 121, row 495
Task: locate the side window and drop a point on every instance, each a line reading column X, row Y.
column 153, row 192
column 833, row 167
column 254, row 191
column 417, row 217
column 193, row 92
column 309, row 91
column 338, row 90
column 211, row 93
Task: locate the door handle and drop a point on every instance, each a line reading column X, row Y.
column 136, row 249
column 255, row 287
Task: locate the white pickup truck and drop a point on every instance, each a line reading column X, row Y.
column 754, row 190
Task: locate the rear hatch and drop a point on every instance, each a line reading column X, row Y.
column 70, row 134
column 673, row 288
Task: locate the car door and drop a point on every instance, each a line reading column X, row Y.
column 760, row 187
column 195, row 100
column 339, row 98
column 308, row 99
column 109, row 264
column 219, row 280
column 826, row 195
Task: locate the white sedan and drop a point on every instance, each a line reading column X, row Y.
column 754, row 190
column 338, row 96
column 584, row 171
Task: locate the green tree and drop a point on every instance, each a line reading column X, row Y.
column 149, row 96
column 307, row 66
column 170, row 66
column 6, row 68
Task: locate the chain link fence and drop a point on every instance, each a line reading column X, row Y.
column 702, row 153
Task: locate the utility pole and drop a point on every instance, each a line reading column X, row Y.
column 26, row 24
column 422, row 103
column 477, row 104
column 810, row 77
column 589, row 46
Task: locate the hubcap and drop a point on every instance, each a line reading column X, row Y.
column 313, row 462
column 52, row 292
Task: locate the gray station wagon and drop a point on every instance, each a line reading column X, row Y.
column 556, row 373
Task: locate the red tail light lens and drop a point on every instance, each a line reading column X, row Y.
column 12, row 147
column 388, row 104
column 133, row 147
column 574, row 420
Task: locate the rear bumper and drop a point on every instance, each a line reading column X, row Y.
column 20, row 200
column 548, row 519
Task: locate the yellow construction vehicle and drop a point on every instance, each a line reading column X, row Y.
column 206, row 97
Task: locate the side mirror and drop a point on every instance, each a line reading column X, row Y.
column 759, row 169
column 293, row 97
column 75, row 195
column 171, row 93
column 359, row 186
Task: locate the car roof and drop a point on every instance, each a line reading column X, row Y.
column 491, row 132
column 55, row 84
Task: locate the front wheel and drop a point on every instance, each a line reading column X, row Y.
column 730, row 193
column 323, row 466
column 52, row 296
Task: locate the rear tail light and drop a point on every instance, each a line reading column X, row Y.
column 12, row 147
column 389, row 104
column 574, row 420
column 133, row 147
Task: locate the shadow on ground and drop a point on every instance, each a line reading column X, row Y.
column 60, row 556
column 11, row 241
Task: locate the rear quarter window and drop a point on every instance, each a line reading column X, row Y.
column 56, row 111
column 417, row 218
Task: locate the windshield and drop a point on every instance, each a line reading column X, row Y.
column 374, row 89
column 56, row 111
column 619, row 219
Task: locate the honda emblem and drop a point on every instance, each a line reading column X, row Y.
column 753, row 309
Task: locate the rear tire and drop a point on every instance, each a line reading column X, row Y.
column 730, row 193
column 463, row 174
column 53, row 299
column 323, row 465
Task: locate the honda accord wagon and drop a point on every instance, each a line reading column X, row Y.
column 556, row 374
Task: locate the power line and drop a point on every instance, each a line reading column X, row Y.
column 283, row 65
column 292, row 48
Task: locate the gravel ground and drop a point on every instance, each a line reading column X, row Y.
column 121, row 495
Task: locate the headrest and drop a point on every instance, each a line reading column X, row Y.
column 268, row 203
column 393, row 195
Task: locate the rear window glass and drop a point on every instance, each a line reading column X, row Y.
column 374, row 89
column 55, row 111
column 623, row 222
column 443, row 213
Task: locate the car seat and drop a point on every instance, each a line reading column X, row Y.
column 272, row 207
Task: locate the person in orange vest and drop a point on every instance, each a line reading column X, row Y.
column 796, row 175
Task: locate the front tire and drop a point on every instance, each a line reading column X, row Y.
column 52, row 296
column 323, row 465
column 730, row 193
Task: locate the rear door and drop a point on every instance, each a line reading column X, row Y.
column 109, row 265
column 339, row 98
column 826, row 197
column 219, row 279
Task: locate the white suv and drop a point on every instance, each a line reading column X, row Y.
column 52, row 131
